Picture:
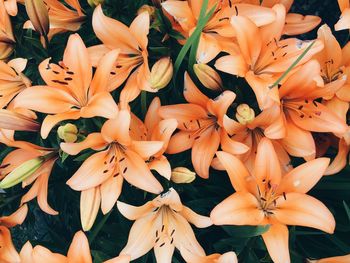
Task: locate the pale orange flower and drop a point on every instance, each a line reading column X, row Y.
column 218, row 33
column 262, row 56
column 344, row 20
column 12, row 80
column 79, row 252
column 162, row 224
column 268, row 197
column 62, row 17
column 269, row 123
column 122, row 158
column 8, row 253
column 296, row 24
column 7, row 38
column 132, row 42
column 155, row 129
column 201, row 126
column 71, row 91
column 303, row 113
column 335, row 65
column 13, row 163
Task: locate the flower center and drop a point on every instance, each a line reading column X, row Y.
column 165, row 234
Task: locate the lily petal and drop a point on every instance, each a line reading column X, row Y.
column 276, row 241
column 79, row 250
column 203, row 151
column 302, row 178
column 241, row 208
column 8, row 252
column 110, row 192
column 137, row 173
column 238, row 173
column 92, row 172
column 93, row 140
column 192, row 94
column 304, row 210
column 15, row 218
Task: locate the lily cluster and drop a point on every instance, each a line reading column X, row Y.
column 297, row 107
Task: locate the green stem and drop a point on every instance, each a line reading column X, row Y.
column 143, row 103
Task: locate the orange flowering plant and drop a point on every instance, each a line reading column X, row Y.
column 197, row 131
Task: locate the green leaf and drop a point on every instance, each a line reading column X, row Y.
column 82, row 157
column 63, row 156
column 98, row 227
column 246, row 231
column 192, row 39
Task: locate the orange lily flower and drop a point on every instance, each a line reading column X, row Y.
column 335, row 65
column 61, row 17
column 71, row 92
column 263, row 57
column 155, row 129
column 7, row 38
column 8, row 252
column 218, row 32
column 132, row 42
column 340, row 259
column 37, row 173
column 229, row 257
column 296, row 24
column 201, row 126
column 269, row 123
column 79, row 252
column 12, row 80
column 122, row 158
column 162, row 224
column 344, row 20
column 304, row 114
column 268, row 197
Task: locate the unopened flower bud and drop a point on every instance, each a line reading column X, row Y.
column 208, row 76
column 147, row 8
column 161, row 73
column 38, row 15
column 90, row 201
column 182, row 175
column 22, row 172
column 68, row 132
column 94, row 3
column 245, row 114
